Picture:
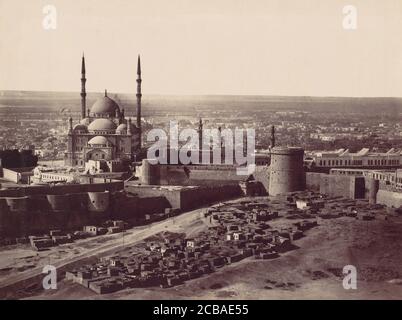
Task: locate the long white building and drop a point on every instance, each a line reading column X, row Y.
column 364, row 158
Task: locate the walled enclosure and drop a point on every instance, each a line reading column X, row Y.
column 199, row 175
column 353, row 187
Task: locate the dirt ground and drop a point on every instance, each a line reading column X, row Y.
column 20, row 262
column 314, row 271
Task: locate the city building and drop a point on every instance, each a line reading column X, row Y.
column 392, row 178
column 362, row 159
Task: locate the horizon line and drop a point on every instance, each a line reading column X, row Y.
column 207, row 94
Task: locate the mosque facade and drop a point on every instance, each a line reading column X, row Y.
column 104, row 136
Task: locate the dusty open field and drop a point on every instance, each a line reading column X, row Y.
column 314, row 271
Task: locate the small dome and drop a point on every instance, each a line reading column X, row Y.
column 105, row 107
column 102, row 125
column 80, row 127
column 122, row 128
column 85, row 121
column 98, row 140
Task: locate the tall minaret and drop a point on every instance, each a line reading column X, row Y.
column 70, row 125
column 200, row 128
column 200, row 146
column 83, row 92
column 139, row 96
column 272, row 137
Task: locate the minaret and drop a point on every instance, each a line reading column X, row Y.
column 139, row 96
column 129, row 126
column 83, row 92
column 200, row 129
column 70, row 125
column 121, row 119
column 220, row 137
column 200, row 126
column 272, row 137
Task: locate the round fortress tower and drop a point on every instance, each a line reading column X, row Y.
column 17, row 203
column 149, row 172
column 286, row 170
column 59, row 202
column 3, row 215
column 98, row 201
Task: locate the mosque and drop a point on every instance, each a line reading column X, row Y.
column 104, row 140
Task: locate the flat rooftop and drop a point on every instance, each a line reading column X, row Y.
column 159, row 187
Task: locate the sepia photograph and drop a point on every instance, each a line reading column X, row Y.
column 210, row 151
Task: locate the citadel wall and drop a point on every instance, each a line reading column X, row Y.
column 389, row 198
column 186, row 198
column 386, row 194
column 187, row 175
column 36, row 209
column 313, row 180
column 353, row 187
column 62, row 189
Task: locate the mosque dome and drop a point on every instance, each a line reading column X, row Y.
column 85, row 121
column 105, row 106
column 80, row 127
column 122, row 128
column 98, row 140
column 102, row 125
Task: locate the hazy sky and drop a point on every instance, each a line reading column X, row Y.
column 270, row 47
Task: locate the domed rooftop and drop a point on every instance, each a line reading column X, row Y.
column 98, row 140
column 122, row 128
column 105, row 106
column 80, row 127
column 85, row 121
column 102, row 125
